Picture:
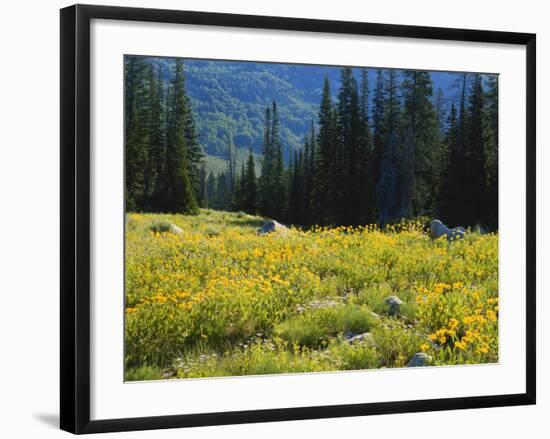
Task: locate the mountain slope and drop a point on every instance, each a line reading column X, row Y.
column 230, row 97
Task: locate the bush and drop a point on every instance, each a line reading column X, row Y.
column 160, row 227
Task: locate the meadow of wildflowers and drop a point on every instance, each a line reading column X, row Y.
column 218, row 299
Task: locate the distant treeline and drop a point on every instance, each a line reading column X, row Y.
column 399, row 159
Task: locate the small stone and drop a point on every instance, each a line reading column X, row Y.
column 359, row 338
column 394, row 304
column 420, row 359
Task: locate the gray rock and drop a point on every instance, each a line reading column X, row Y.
column 394, row 304
column 438, row 229
column 420, row 359
column 360, row 338
column 272, row 226
column 175, row 229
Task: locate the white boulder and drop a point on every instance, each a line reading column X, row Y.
column 272, row 226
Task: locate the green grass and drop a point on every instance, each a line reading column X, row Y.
column 312, row 328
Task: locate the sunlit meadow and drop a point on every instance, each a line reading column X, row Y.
column 217, row 299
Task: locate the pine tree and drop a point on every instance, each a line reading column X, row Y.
column 137, row 133
column 379, row 113
column 418, row 154
column 324, row 192
column 439, row 105
column 387, row 187
column 211, row 190
column 454, row 198
column 250, row 186
column 278, row 188
column 475, row 181
column 452, row 175
column 491, row 152
column 156, row 151
column 366, row 157
column 203, row 190
column 309, row 173
column 179, row 192
column 266, row 177
column 347, row 162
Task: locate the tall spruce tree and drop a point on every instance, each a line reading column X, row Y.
column 491, row 152
column 324, row 192
column 156, row 151
column 347, row 162
column 366, row 156
column 250, row 186
column 266, row 177
column 179, row 193
column 378, row 115
column 418, row 153
column 387, row 187
column 475, row 181
column 137, row 131
column 279, row 187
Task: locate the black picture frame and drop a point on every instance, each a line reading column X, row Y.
column 75, row 217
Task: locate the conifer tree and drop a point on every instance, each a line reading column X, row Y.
column 278, row 188
column 179, row 193
column 475, row 181
column 156, row 151
column 387, row 187
column 266, row 177
column 418, row 153
column 137, row 133
column 491, row 151
column 324, row 191
column 366, row 157
column 347, row 163
column 379, row 102
column 450, row 177
column 250, row 186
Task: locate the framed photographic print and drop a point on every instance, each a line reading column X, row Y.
column 268, row 218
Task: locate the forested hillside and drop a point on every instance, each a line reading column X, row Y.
column 229, row 99
column 371, row 145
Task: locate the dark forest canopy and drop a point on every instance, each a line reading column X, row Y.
column 383, row 145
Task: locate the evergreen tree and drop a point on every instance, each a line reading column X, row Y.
column 418, row 155
column 439, row 105
column 203, row 191
column 137, row 132
column 475, row 181
column 366, row 157
column 309, row 172
column 156, row 154
column 278, row 188
column 179, row 193
column 454, row 197
column 379, row 113
column 491, row 152
column 266, row 177
column 211, row 190
column 250, row 186
column 347, row 186
column 324, row 177
column 387, row 187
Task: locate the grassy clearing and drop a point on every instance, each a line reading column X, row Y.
column 218, row 299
